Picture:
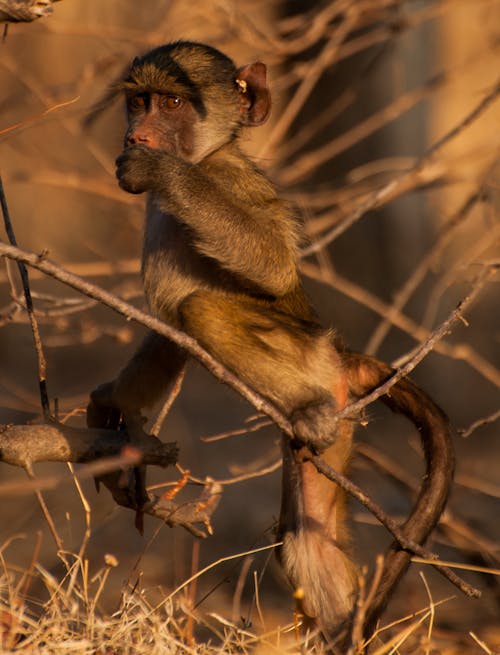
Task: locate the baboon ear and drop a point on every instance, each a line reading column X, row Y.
column 255, row 99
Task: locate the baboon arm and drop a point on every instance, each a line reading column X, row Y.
column 237, row 234
column 232, row 212
column 153, row 367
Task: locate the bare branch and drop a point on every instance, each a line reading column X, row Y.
column 180, row 338
column 24, row 11
column 466, row 432
column 24, row 445
column 42, row 366
column 460, row 351
column 422, row 350
column 387, row 192
column 403, row 294
column 176, row 389
column 130, row 457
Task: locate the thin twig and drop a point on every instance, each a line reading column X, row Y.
column 471, row 255
column 236, row 432
column 403, row 294
column 303, row 166
column 243, row 477
column 91, row 470
column 481, row 644
column 381, row 195
column 457, row 565
column 31, row 119
column 176, row 389
column 201, row 572
column 364, row 601
column 46, row 513
column 421, row 351
column 316, row 69
column 460, row 351
column 466, row 432
column 42, row 366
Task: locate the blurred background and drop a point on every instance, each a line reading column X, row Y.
column 384, row 133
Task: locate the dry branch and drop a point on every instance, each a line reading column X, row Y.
column 24, row 445
column 385, row 194
column 183, row 340
column 42, row 365
column 458, row 350
column 24, row 11
column 423, row 349
column 466, row 432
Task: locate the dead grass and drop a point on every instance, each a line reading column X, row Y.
column 70, row 618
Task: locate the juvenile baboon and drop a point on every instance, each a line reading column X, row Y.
column 220, row 262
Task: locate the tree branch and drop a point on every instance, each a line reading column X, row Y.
column 24, row 11
column 183, row 340
column 423, row 349
column 25, row 445
column 42, row 366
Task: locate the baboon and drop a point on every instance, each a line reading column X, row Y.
column 220, row 261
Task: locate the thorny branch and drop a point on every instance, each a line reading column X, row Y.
column 254, row 398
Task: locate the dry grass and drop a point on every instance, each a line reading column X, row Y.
column 68, row 617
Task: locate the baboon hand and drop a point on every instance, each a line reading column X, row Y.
column 315, row 424
column 138, row 168
column 102, row 412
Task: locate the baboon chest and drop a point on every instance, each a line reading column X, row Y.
column 172, row 267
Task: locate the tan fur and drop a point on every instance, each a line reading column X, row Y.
column 316, row 550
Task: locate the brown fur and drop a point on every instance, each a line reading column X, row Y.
column 220, row 261
column 364, row 374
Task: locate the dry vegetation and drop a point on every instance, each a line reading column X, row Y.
column 385, row 134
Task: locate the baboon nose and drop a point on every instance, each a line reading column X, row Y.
column 134, row 139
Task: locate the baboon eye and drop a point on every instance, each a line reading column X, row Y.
column 137, row 102
column 172, row 102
